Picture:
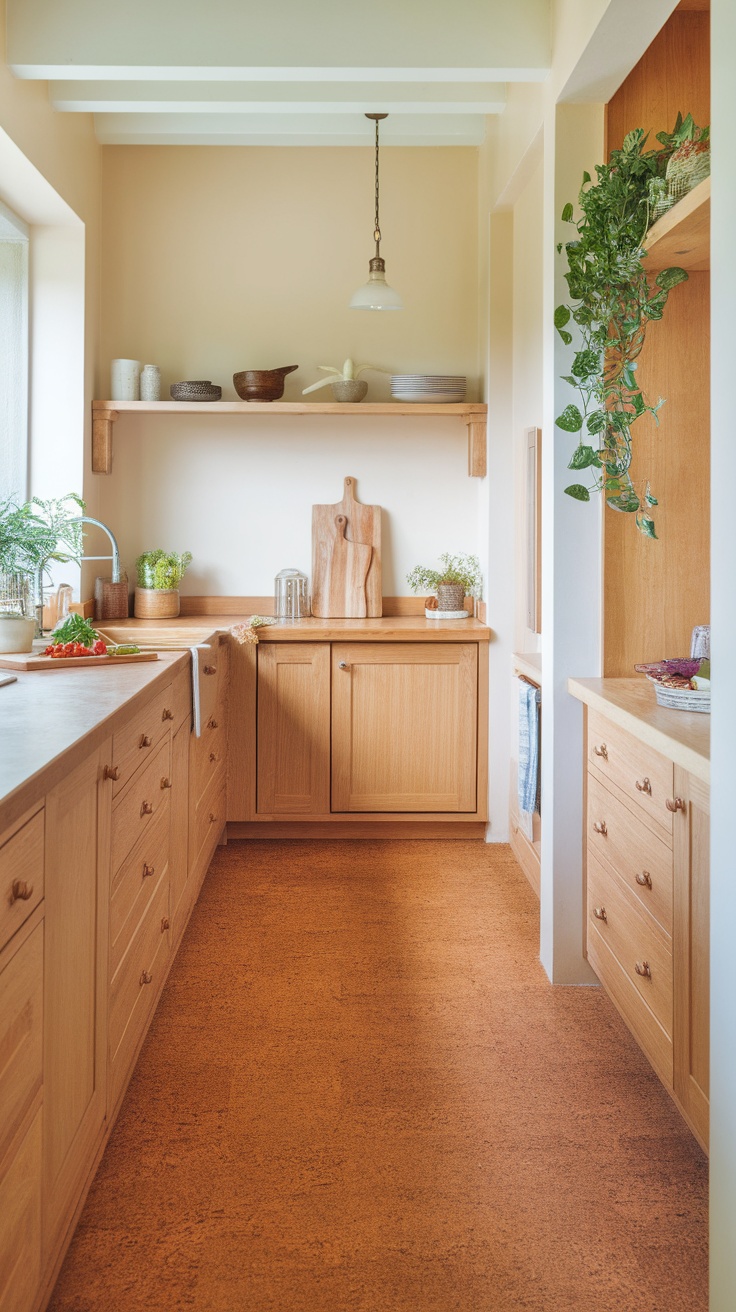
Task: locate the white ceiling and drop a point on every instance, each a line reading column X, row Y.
column 163, row 72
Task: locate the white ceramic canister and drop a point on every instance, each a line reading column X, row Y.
column 16, row 632
column 150, row 383
column 126, row 380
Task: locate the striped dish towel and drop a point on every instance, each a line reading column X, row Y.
column 529, row 702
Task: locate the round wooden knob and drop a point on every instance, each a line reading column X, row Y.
column 601, row 751
column 148, row 870
column 209, row 669
column 600, row 827
column 343, row 665
column 600, row 913
column 643, row 968
column 145, row 978
column 111, row 772
column 644, row 786
column 20, row 891
column 674, row 804
column 146, row 808
column 145, row 741
column 165, row 783
column 167, row 714
column 644, row 879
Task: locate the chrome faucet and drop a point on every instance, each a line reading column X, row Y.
column 115, row 557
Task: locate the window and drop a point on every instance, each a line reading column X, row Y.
column 13, row 355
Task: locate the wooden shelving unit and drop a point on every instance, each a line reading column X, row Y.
column 105, row 414
column 682, row 236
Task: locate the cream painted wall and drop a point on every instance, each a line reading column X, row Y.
column 527, row 369
column 220, row 259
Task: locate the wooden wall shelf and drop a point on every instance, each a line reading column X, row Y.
column 105, row 413
column 682, row 236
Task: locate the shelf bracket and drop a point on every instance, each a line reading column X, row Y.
column 102, row 424
column 477, row 461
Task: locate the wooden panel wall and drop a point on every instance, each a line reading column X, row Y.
column 655, row 592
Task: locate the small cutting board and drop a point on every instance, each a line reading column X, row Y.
column 362, row 528
column 27, row 661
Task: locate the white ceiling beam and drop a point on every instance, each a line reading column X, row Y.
column 285, row 40
column 286, row 130
column 276, row 98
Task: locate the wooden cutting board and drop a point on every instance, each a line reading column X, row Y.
column 27, row 661
column 330, row 599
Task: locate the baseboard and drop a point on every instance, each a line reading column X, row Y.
column 301, row 829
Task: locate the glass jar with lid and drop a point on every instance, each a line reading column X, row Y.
column 291, row 595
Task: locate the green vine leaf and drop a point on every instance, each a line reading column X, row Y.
column 565, row 335
column 583, row 457
column 669, row 278
column 627, row 501
column 586, row 363
column 562, row 316
column 645, row 525
column 571, row 420
column 567, row 213
column 577, row 491
column 596, row 422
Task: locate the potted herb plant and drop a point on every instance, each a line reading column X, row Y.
column 159, row 574
column 33, row 535
column 459, row 577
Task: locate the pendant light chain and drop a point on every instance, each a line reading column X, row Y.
column 377, row 229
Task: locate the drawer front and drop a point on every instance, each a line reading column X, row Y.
column 207, row 757
column 646, row 1029
column 141, row 737
column 135, row 882
column 21, row 1032
column 147, row 794
column 181, row 697
column 620, row 840
column 20, row 1232
column 21, row 875
column 638, row 944
column 206, row 823
column 645, row 778
column 137, row 981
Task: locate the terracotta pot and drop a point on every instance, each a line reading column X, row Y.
column 156, row 603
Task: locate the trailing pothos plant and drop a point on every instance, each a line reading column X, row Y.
column 611, row 301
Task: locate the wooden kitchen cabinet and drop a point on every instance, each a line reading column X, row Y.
column 378, row 728
column 208, row 765
column 78, row 812
column 647, row 884
column 404, row 726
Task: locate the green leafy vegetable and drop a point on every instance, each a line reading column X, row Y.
column 75, row 629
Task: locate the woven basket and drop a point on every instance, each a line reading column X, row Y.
column 156, row 603
column 682, row 699
column 450, row 596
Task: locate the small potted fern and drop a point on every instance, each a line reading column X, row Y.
column 159, row 574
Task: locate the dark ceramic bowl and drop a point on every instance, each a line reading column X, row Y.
column 262, row 384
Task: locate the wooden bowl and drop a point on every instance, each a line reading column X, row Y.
column 262, row 384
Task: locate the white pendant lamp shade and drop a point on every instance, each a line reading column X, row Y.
column 376, row 293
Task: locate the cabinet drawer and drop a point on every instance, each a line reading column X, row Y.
column 141, row 737
column 181, row 697
column 625, row 844
column 146, row 795
column 206, row 823
column 20, row 1232
column 136, row 984
column 207, row 757
column 21, row 1032
column 134, row 884
column 21, row 875
column 645, row 778
column 646, row 1029
column 639, row 945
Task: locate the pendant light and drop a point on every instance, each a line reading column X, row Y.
column 376, row 294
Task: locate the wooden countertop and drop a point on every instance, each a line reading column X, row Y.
column 48, row 715
column 190, row 629
column 682, row 736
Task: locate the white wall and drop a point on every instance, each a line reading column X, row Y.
column 723, row 726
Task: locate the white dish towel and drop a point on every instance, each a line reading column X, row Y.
column 529, row 704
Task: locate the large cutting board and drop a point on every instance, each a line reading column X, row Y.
column 27, row 661
column 335, row 560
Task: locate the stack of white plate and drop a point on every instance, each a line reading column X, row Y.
column 429, row 388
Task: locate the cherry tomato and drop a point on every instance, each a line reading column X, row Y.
column 99, row 648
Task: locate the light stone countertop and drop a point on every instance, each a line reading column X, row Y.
column 50, row 714
column 681, row 736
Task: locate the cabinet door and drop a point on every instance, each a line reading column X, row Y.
column 78, row 839
column 293, row 728
column 179, row 837
column 691, row 949
column 404, row 726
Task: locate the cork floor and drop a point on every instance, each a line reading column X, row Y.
column 361, row 1094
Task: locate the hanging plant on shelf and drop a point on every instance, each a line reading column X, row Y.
column 612, row 301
